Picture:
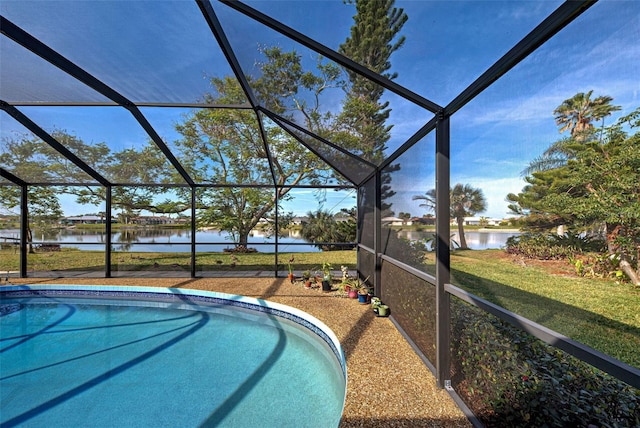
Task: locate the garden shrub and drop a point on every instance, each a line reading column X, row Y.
column 537, row 246
column 509, row 378
column 587, row 254
column 549, row 246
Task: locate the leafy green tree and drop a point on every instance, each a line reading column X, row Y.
column 533, row 207
column 465, row 201
column 603, row 190
column 28, row 158
column 136, row 167
column 224, row 147
column 596, row 188
column 322, row 228
column 404, row 216
column 169, row 206
column 547, row 174
column 43, row 207
column 35, row 161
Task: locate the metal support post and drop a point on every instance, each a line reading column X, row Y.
column 24, row 230
column 443, row 257
column 193, row 232
column 107, row 231
column 377, row 243
column 277, row 248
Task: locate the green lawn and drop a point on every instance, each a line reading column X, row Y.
column 74, row 260
column 596, row 312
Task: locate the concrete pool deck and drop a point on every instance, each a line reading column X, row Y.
column 388, row 385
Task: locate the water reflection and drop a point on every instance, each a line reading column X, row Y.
column 161, row 239
column 476, row 240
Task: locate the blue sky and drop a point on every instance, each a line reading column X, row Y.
column 448, row 45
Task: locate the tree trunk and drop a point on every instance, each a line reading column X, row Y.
column 463, row 240
column 626, row 267
column 613, row 230
column 30, row 240
column 243, row 238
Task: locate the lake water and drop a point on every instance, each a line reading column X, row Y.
column 179, row 240
column 476, row 240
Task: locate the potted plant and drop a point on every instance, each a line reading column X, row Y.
column 290, row 268
column 326, row 279
column 350, row 286
column 379, row 308
column 306, row 276
column 345, row 278
column 363, row 292
column 363, row 295
column 353, row 292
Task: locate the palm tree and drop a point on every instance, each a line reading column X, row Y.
column 576, row 113
column 464, row 201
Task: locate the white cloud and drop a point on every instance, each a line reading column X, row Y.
column 495, row 191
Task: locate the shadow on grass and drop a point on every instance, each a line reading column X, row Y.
column 614, row 338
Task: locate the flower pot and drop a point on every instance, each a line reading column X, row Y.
column 347, row 288
column 363, row 299
column 326, row 286
column 291, row 277
column 353, row 294
column 383, row 310
column 307, row 284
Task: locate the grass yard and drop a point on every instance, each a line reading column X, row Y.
column 69, row 259
column 597, row 312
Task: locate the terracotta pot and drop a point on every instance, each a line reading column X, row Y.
column 291, row 277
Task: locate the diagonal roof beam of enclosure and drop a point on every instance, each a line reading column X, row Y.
column 559, row 19
column 29, row 42
column 286, row 124
column 7, row 175
column 47, row 138
column 216, row 28
column 333, row 55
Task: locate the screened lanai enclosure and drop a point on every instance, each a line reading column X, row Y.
column 176, row 137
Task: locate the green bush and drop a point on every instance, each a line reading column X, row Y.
column 551, row 246
column 509, row 378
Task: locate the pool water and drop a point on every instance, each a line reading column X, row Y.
column 103, row 363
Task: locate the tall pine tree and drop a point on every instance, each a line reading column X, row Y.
column 374, row 37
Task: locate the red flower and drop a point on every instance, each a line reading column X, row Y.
column 525, row 378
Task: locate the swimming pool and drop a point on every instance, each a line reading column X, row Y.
column 139, row 356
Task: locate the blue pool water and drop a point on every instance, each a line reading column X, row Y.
column 180, row 361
